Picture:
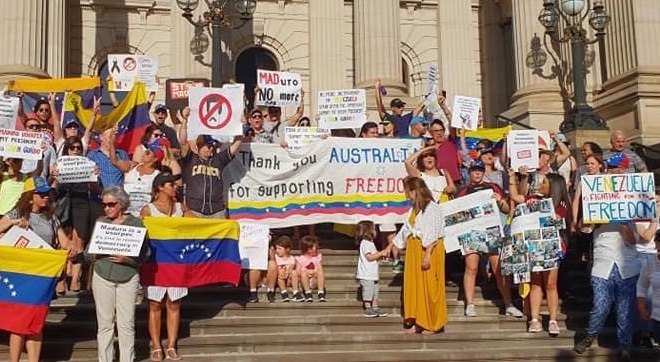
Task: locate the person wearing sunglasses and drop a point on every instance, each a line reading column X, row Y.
column 42, row 111
column 138, row 180
column 159, row 118
column 44, row 166
column 256, row 129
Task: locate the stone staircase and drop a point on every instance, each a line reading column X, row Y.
column 218, row 325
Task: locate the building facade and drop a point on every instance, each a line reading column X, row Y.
column 493, row 49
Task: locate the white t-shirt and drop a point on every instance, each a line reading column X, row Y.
column 367, row 270
column 436, row 184
column 641, row 246
column 650, row 278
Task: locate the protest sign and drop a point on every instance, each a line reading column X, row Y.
column 176, row 92
column 21, row 144
column 333, row 180
column 432, row 76
column 114, row 239
column 8, row 111
column 253, row 245
column 618, row 197
column 523, row 149
column 299, row 137
column 279, row 89
column 125, row 69
column 342, row 108
column 139, row 195
column 465, row 113
column 71, row 169
column 215, row 111
column 472, row 220
column 23, row 238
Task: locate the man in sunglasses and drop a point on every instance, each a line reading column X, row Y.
column 401, row 121
column 160, row 116
column 256, row 129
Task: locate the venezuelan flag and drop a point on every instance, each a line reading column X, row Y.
column 189, row 252
column 27, row 283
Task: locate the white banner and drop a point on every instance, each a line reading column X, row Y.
column 8, row 111
column 215, row 111
column 23, row 238
column 620, row 197
column 125, row 69
column 71, row 169
column 279, row 89
column 465, row 113
column 342, row 108
column 21, row 144
column 523, row 149
column 253, row 245
column 299, row 137
column 113, row 239
column 333, row 180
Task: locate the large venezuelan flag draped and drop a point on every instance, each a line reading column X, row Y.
column 496, row 135
column 27, row 284
column 189, row 252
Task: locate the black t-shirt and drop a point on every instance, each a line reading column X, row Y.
column 203, row 181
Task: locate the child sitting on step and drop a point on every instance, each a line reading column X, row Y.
column 310, row 269
column 286, row 269
column 367, row 270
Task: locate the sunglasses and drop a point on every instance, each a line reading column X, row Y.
column 256, row 116
column 110, row 204
column 41, row 110
column 158, row 135
column 75, row 147
column 33, row 126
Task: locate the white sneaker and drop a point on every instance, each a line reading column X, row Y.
column 513, row 311
column 470, row 311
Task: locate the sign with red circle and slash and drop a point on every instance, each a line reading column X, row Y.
column 215, row 111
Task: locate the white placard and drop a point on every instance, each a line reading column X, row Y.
column 299, row 137
column 465, row 113
column 523, row 149
column 342, row 108
column 21, row 144
column 8, row 111
column 23, row 238
column 113, row 239
column 253, row 245
column 71, row 169
column 125, row 69
column 618, row 197
column 139, row 195
column 432, row 76
column 279, row 89
column 215, row 111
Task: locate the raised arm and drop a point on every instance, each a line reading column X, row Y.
column 58, row 133
column 379, row 100
column 96, row 110
column 21, row 111
column 411, row 168
column 419, row 109
column 565, row 153
column 122, row 165
column 236, row 145
column 299, row 112
column 514, row 192
column 113, row 97
column 183, row 130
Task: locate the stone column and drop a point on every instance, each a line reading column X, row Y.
column 325, row 48
column 377, row 45
column 56, row 39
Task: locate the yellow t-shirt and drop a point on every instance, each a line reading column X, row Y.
column 10, row 192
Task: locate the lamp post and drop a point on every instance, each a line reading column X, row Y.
column 582, row 115
column 213, row 20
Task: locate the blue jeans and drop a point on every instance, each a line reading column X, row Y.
column 620, row 292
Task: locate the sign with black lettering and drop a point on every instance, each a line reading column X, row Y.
column 278, row 89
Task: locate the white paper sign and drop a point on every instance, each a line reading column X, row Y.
column 523, row 149
column 112, row 239
column 21, row 144
column 139, row 195
column 8, row 111
column 23, row 238
column 253, row 245
column 465, row 113
column 342, row 108
column 73, row 169
column 299, row 137
column 432, row 77
column 215, row 111
column 126, row 68
column 279, row 89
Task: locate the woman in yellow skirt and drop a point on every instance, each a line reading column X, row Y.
column 424, row 300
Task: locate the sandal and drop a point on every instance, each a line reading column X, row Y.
column 156, row 355
column 173, row 354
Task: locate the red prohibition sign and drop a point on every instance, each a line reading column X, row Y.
column 210, row 108
column 130, row 64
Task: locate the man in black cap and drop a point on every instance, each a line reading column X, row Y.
column 160, row 115
column 401, row 121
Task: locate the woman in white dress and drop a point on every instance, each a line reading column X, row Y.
column 422, row 164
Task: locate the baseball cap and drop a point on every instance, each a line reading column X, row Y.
column 256, row 110
column 71, row 123
column 205, row 139
column 397, row 102
column 418, row 119
column 486, row 150
column 160, row 108
column 38, row 184
column 477, row 165
column 163, row 178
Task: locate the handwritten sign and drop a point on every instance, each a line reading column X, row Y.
column 125, row 69
column 176, row 92
column 299, row 137
column 523, row 149
column 112, row 239
column 73, row 169
column 215, row 111
column 23, row 238
column 620, row 197
column 21, row 144
column 342, row 108
column 465, row 113
column 139, row 195
column 8, row 111
column 253, row 245
column 279, row 89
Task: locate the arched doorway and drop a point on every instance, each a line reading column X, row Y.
column 247, row 64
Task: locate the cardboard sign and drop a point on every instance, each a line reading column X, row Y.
column 176, row 92
column 253, row 245
column 112, row 239
column 279, row 89
column 21, row 144
column 8, row 112
column 465, row 113
column 618, row 197
column 125, row 69
column 215, row 111
column 23, row 238
column 299, row 137
column 342, row 108
column 72, row 169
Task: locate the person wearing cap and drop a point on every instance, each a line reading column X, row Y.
column 202, row 163
column 160, row 116
column 389, row 126
column 73, row 129
column 139, row 179
column 164, row 204
column 34, row 210
column 418, row 127
column 472, row 257
column 401, row 121
column 256, row 131
column 618, row 143
column 154, row 138
column 273, row 122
